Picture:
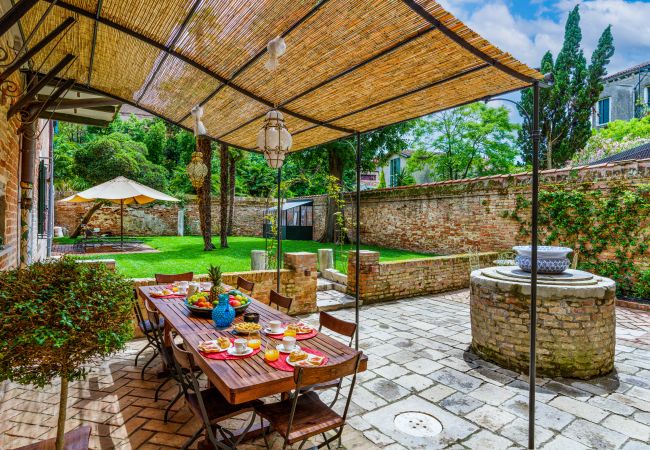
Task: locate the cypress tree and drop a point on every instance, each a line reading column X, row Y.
column 565, row 108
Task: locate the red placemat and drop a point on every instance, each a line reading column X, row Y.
column 225, row 355
column 281, row 362
column 299, row 337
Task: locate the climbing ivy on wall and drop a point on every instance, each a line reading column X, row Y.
column 609, row 228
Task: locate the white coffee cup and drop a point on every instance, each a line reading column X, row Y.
column 240, row 345
column 275, row 326
column 288, row 342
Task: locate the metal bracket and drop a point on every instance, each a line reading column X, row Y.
column 29, row 96
column 18, row 62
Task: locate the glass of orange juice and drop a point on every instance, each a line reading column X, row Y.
column 254, row 340
column 290, row 332
column 271, row 353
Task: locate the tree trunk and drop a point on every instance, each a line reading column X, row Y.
column 336, row 166
column 86, row 218
column 205, row 194
column 63, row 409
column 223, row 229
column 232, row 172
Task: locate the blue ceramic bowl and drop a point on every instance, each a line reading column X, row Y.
column 551, row 266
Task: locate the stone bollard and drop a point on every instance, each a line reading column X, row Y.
column 325, row 259
column 258, row 260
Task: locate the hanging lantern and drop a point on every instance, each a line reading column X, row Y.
column 274, row 140
column 197, row 170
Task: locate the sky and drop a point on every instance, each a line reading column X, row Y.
column 528, row 28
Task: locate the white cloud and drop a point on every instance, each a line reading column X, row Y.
column 529, row 39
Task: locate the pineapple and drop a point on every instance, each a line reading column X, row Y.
column 214, row 273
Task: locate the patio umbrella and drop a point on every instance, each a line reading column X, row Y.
column 123, row 191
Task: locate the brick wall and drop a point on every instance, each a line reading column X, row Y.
column 160, row 219
column 455, row 216
column 393, row 280
column 9, row 170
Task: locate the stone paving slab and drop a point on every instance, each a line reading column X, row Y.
column 427, row 367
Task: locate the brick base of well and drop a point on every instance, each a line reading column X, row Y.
column 575, row 326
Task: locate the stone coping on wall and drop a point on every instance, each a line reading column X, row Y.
column 628, row 170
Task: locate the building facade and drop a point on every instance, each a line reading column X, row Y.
column 626, row 95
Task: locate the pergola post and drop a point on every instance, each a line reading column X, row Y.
column 532, row 371
column 279, row 228
column 357, row 242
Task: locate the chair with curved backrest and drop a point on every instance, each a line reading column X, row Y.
column 304, row 414
column 147, row 329
column 243, row 283
column 280, row 300
column 162, row 278
column 165, row 353
column 208, row 405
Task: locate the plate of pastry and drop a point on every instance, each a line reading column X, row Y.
column 215, row 346
column 304, row 359
column 301, row 328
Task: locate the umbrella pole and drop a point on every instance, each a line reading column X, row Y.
column 122, row 224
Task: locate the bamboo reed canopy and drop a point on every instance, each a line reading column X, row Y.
column 350, row 66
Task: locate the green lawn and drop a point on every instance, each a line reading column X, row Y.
column 184, row 254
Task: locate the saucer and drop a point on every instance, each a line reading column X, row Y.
column 281, row 348
column 232, row 352
column 267, row 330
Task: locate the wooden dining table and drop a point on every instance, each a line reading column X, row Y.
column 249, row 378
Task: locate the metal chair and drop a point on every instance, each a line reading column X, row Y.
column 162, row 278
column 303, row 414
column 147, row 329
column 243, row 283
column 280, row 300
column 165, row 353
column 208, row 405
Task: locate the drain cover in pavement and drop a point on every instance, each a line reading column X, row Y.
column 417, row 424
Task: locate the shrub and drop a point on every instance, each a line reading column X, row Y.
column 642, row 287
column 58, row 316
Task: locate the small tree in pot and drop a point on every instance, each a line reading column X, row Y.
column 58, row 316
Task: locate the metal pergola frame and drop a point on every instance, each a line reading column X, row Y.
column 168, row 49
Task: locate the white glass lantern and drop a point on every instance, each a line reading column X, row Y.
column 274, row 140
column 197, row 170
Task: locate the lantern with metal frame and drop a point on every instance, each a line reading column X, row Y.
column 274, row 140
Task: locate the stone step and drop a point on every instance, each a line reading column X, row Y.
column 331, row 300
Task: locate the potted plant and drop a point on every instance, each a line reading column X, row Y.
column 56, row 317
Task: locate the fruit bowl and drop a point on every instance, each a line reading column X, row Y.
column 206, row 312
column 239, row 301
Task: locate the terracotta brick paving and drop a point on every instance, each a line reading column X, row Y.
column 423, row 364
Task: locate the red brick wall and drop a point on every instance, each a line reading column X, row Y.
column 9, row 160
column 393, row 280
column 455, row 216
column 159, row 219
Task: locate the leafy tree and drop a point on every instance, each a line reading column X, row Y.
column 155, row 139
column 566, row 106
column 56, row 317
column 473, row 140
column 116, row 154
